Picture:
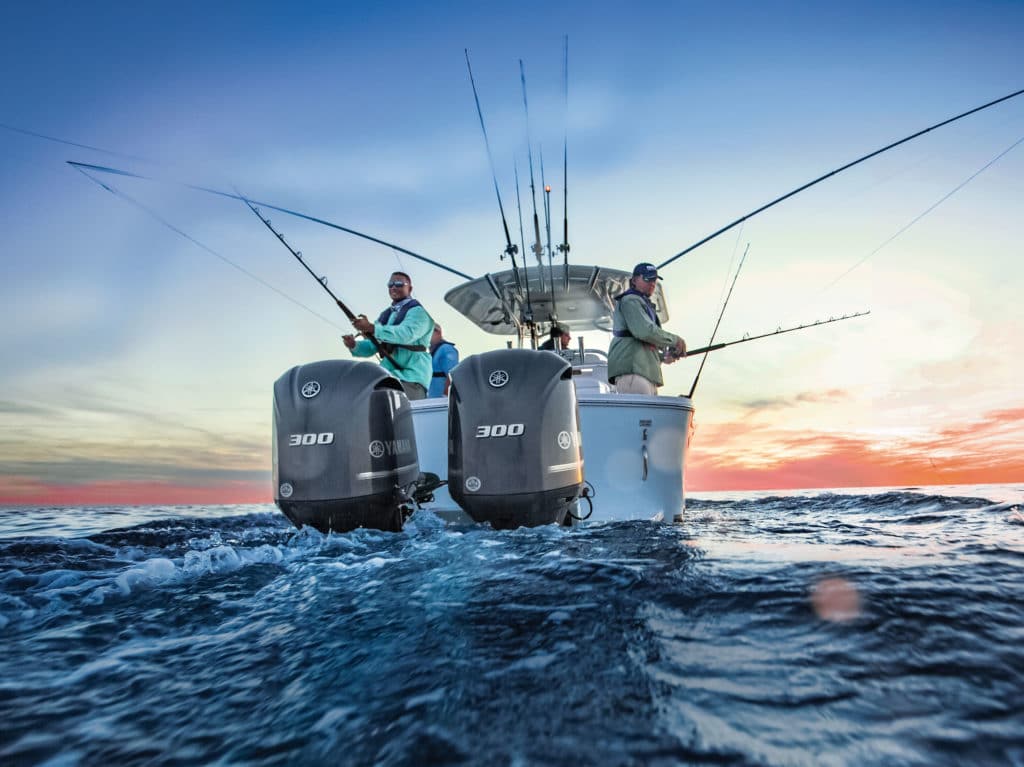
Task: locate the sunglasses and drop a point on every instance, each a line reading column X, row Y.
column 397, row 284
column 650, row 279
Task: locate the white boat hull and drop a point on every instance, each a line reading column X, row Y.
column 634, row 451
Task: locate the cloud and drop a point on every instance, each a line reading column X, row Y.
column 781, row 403
column 747, row 456
column 24, row 408
column 74, row 471
column 832, row 395
column 30, row 492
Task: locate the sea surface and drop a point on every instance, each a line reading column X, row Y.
column 844, row 627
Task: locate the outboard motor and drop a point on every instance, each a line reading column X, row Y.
column 344, row 447
column 514, row 454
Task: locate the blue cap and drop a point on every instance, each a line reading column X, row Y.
column 648, row 271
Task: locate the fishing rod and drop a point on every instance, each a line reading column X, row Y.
column 564, row 247
column 56, row 140
column 537, row 249
column 809, row 184
column 510, row 249
column 778, row 332
column 526, row 269
column 314, row 219
column 547, row 229
column 153, row 214
column 928, row 210
column 321, row 280
column 725, row 303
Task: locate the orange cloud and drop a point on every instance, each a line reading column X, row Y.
column 742, row 455
column 746, row 456
column 31, row 492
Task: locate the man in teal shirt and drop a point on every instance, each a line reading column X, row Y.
column 403, row 331
column 640, row 343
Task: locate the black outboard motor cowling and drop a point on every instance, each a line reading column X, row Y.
column 514, row 454
column 344, row 447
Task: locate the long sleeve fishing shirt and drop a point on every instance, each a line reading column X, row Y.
column 414, row 330
column 640, row 352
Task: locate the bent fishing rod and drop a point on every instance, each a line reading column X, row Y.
column 297, row 214
column 202, row 246
column 848, row 165
column 777, row 332
column 321, row 280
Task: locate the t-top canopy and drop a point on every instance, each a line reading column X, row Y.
column 583, row 298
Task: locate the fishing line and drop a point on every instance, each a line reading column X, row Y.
column 322, row 280
column 818, row 180
column 927, row 210
column 398, row 258
column 721, row 314
column 127, row 198
column 902, row 170
column 314, row 219
column 732, row 260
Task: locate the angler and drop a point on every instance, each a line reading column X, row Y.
column 636, row 351
column 403, row 331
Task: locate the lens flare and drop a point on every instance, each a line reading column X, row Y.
column 836, row 599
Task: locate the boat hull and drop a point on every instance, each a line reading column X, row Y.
column 634, row 450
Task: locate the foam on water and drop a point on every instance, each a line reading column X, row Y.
column 841, row 627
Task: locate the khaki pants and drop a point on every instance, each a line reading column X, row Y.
column 634, row 384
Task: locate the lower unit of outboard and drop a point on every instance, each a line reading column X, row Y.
column 514, row 454
column 344, row 447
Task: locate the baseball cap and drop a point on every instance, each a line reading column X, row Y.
column 648, row 271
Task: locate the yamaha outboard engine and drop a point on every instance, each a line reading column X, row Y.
column 344, row 448
column 514, row 455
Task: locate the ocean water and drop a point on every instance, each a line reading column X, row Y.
column 813, row 628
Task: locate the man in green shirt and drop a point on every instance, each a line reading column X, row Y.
column 640, row 344
column 403, row 331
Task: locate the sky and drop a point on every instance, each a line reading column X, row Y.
column 141, row 333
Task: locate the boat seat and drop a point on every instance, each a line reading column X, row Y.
column 590, row 375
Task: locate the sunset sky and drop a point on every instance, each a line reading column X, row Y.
column 136, row 363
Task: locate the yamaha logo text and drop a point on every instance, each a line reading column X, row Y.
column 379, row 448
